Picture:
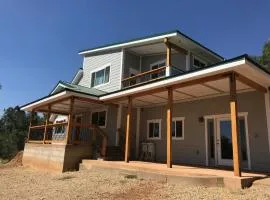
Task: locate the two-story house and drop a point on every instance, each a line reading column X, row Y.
column 164, row 98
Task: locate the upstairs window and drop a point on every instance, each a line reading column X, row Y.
column 99, row 118
column 198, row 63
column 100, row 77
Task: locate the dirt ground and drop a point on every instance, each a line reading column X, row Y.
column 25, row 183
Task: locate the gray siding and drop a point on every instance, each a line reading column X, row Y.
column 191, row 150
column 93, row 62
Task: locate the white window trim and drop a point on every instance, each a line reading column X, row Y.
column 182, row 119
column 201, row 60
column 99, row 69
column 100, row 110
column 154, row 121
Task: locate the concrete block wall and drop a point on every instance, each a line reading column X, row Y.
column 56, row 158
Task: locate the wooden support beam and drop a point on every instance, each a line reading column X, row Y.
column 235, row 126
column 70, row 120
column 250, row 83
column 128, row 129
column 169, row 53
column 83, row 99
column 175, row 47
column 46, row 124
column 169, row 128
column 212, row 88
column 54, row 111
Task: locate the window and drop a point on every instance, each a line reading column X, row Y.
column 100, row 77
column 156, row 66
column 198, row 63
column 61, row 129
column 178, row 128
column 99, row 118
column 154, row 129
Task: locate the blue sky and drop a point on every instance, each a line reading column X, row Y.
column 40, row 40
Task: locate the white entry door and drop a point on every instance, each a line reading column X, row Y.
column 224, row 141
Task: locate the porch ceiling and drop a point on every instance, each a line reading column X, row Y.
column 63, row 107
column 189, row 93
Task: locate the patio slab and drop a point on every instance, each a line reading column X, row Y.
column 176, row 174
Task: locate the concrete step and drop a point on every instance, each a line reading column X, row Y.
column 210, row 181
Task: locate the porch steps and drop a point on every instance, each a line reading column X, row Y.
column 114, row 153
column 176, row 175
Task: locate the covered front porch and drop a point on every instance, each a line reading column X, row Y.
column 228, row 84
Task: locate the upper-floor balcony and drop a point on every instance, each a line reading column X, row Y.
column 148, row 63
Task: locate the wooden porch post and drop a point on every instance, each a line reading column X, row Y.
column 128, row 129
column 30, row 124
column 70, row 119
column 235, row 126
column 169, row 128
column 168, row 56
column 46, row 124
column 168, row 60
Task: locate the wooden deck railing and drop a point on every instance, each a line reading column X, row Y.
column 41, row 134
column 81, row 136
column 144, row 77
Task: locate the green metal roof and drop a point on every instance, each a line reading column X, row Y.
column 62, row 85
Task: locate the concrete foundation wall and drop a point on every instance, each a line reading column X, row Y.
column 57, row 158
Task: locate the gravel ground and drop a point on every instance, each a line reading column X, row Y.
column 24, row 183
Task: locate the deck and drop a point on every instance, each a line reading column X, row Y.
column 176, row 174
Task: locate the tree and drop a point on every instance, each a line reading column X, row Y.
column 264, row 59
column 13, row 131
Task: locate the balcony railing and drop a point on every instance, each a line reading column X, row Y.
column 151, row 75
column 143, row 77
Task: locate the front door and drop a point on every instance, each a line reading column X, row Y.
column 224, row 141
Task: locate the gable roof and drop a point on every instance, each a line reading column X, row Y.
column 175, row 33
column 62, row 85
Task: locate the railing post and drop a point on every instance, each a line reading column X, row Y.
column 235, row 126
column 46, row 124
column 70, row 119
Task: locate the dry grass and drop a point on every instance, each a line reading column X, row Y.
column 23, row 183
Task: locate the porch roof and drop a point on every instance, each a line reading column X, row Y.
column 207, row 82
column 58, row 101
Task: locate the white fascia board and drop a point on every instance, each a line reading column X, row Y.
column 30, row 106
column 178, row 79
column 59, row 85
column 55, row 97
column 77, row 76
column 127, row 44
